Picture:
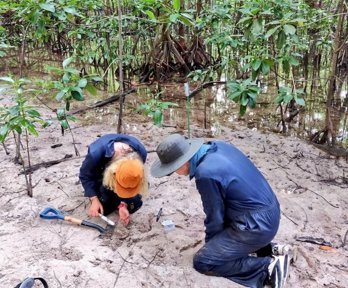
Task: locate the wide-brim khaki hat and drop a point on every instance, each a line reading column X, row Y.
column 173, row 152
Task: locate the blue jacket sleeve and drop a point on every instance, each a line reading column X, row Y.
column 213, row 206
column 90, row 179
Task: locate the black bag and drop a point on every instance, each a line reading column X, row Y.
column 29, row 282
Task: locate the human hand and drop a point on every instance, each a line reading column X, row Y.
column 124, row 215
column 95, row 208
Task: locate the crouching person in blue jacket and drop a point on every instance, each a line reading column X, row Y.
column 242, row 211
column 113, row 177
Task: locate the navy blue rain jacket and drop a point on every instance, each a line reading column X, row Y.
column 234, row 193
column 99, row 154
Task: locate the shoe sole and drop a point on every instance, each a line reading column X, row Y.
column 287, row 261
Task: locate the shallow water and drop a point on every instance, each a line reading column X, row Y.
column 212, row 110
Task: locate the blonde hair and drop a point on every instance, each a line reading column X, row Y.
column 109, row 173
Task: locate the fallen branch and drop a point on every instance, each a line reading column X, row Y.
column 159, row 184
column 333, row 205
column 190, row 246
column 119, row 270
column 102, row 102
column 48, row 164
column 205, row 85
column 118, row 273
column 313, row 240
column 344, row 239
column 73, row 209
column 307, row 189
column 289, row 218
column 149, row 262
column 25, row 189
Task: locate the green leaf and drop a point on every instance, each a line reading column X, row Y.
column 4, row 130
column 168, row 104
column 288, row 97
column 289, row 29
column 158, row 117
column 14, row 110
column 97, row 78
column 150, row 15
column 67, row 105
column 72, row 71
column 257, row 26
column 71, row 10
column 286, row 66
column 7, row 79
column 46, row 124
column 31, row 129
column 281, row 39
column 252, row 95
column 293, row 61
column 60, row 113
column 176, row 5
column 256, row 64
column 66, row 77
column 82, row 83
column 173, row 17
column 48, row 7
column 300, row 101
column 71, row 118
column 271, row 31
column 187, row 15
column 242, row 110
column 234, row 95
column 244, row 100
column 91, row 89
column 279, row 99
column 67, row 61
column 60, row 95
column 77, row 95
column 265, row 68
column 245, row 19
column 252, row 103
column 18, row 129
column 64, row 124
column 185, row 20
column 254, row 74
column 33, row 113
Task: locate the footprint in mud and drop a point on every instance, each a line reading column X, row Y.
column 68, row 254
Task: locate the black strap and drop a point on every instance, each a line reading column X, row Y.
column 29, row 282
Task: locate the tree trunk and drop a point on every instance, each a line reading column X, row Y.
column 120, row 55
column 337, row 76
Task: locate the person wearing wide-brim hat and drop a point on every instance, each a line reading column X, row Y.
column 113, row 175
column 242, row 211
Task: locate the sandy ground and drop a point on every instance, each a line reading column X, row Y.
column 311, row 187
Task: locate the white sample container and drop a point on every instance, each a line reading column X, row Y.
column 168, row 225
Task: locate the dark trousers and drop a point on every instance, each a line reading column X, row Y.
column 227, row 254
column 110, row 201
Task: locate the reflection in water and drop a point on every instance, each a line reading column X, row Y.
column 211, row 110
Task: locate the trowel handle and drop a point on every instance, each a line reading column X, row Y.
column 73, row 220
